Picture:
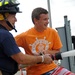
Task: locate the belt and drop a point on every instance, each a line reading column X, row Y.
column 49, row 73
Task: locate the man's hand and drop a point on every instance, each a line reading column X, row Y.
column 47, row 59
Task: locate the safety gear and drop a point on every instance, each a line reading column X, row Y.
column 8, row 6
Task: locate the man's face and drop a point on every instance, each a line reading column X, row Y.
column 12, row 19
column 42, row 23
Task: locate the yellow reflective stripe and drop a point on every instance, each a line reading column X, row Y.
column 6, row 3
column 0, row 3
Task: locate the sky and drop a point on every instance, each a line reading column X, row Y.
column 58, row 8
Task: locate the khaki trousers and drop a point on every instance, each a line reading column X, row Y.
column 0, row 73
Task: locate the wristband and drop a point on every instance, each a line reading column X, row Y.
column 42, row 58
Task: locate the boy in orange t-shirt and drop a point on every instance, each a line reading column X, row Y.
column 44, row 40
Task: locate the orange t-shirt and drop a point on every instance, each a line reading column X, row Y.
column 33, row 41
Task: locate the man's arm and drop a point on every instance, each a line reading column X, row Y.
column 26, row 59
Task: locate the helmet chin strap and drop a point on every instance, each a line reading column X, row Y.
column 8, row 23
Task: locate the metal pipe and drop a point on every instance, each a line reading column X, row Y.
column 49, row 10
